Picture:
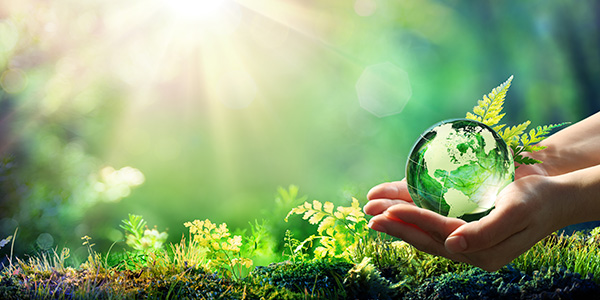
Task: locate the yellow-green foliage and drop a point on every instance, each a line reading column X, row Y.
column 578, row 253
column 93, row 262
column 489, row 112
column 340, row 230
column 409, row 266
column 221, row 250
column 139, row 237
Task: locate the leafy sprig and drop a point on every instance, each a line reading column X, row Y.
column 139, row 237
column 489, row 112
column 220, row 250
column 340, row 230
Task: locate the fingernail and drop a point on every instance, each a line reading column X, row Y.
column 456, row 244
column 376, row 226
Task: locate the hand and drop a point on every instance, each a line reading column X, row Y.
column 526, row 211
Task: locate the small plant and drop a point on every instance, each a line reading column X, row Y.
column 578, row 253
column 294, row 247
column 93, row 262
column 222, row 252
column 364, row 281
column 340, row 230
column 489, row 112
column 403, row 264
column 139, row 237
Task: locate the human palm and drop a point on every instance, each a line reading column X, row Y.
column 516, row 223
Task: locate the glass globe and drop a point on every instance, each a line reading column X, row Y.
column 458, row 167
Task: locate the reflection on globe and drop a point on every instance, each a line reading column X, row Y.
column 458, row 167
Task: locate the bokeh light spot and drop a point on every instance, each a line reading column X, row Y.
column 9, row 36
column 116, row 184
column 45, row 241
column 365, row 8
column 237, row 89
column 13, row 81
column 383, row 89
column 114, row 235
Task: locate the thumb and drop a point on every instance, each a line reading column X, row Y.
column 490, row 230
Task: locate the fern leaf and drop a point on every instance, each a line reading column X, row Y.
column 488, row 109
column 328, row 207
column 317, row 205
column 355, row 204
column 473, row 117
column 511, row 134
column 539, row 133
column 497, row 128
column 296, row 211
column 533, row 148
column 495, row 120
column 316, row 218
column 524, row 160
column 308, row 214
column 328, row 222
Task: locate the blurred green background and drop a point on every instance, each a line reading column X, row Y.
column 193, row 109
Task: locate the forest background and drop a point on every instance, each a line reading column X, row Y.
column 183, row 110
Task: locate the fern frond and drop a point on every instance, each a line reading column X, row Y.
column 497, row 128
column 472, row 116
column 488, row 110
column 524, row 160
column 512, row 134
column 316, row 218
column 340, row 229
column 539, row 133
column 328, row 222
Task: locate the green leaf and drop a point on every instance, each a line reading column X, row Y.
column 308, row 214
column 524, row 160
column 328, row 222
column 511, row 134
column 317, row 205
column 316, row 218
column 488, row 110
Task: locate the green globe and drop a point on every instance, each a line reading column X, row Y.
column 458, row 167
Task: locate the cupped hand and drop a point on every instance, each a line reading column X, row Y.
column 526, row 211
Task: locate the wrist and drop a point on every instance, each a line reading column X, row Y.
column 580, row 193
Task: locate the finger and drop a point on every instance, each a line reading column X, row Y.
column 500, row 224
column 499, row 255
column 436, row 225
column 412, row 235
column 390, row 190
column 407, row 232
column 378, row 206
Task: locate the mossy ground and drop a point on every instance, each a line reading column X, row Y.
column 214, row 264
column 300, row 280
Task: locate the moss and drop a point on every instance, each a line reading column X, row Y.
column 320, row 277
column 508, row 283
column 364, row 281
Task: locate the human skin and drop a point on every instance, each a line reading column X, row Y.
column 563, row 190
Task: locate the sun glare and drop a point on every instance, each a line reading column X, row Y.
column 197, row 9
